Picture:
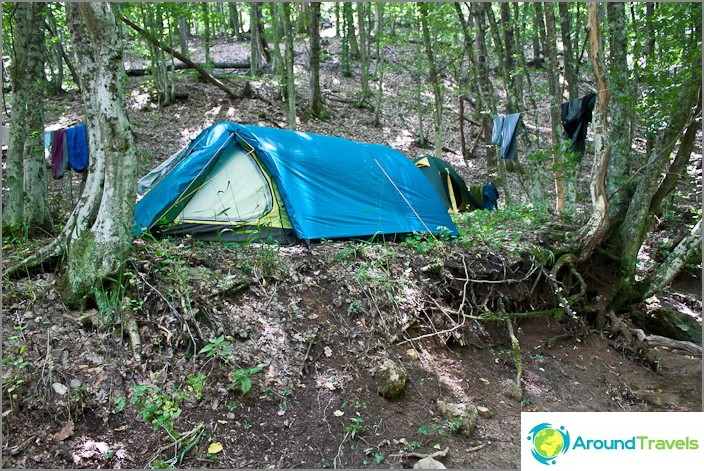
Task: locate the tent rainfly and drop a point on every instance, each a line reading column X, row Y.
column 449, row 185
column 237, row 182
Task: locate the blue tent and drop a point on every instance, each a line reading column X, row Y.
column 238, row 182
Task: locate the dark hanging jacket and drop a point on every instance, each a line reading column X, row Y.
column 576, row 115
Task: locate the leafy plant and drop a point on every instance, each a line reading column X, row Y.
column 158, row 408
column 355, row 426
column 217, row 347
column 196, row 384
column 243, row 378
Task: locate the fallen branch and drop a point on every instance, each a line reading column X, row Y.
column 139, row 72
column 207, row 76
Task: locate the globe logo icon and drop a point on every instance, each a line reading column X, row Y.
column 548, row 442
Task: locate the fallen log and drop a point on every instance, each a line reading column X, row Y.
column 217, row 65
column 206, row 75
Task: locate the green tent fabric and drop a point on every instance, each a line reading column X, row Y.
column 449, row 184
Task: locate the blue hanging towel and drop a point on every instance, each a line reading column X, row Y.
column 504, row 133
column 77, row 141
column 491, row 196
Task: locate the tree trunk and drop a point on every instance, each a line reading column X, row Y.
column 100, row 236
column 316, row 99
column 631, row 232
column 379, row 11
column 666, row 272
column 205, row 15
column 234, row 19
column 183, row 35
column 349, row 30
column 363, row 48
column 622, row 117
column 432, row 75
column 595, row 230
column 26, row 205
column 569, row 58
column 290, row 82
column 255, row 51
column 57, row 77
column 54, row 31
column 547, row 35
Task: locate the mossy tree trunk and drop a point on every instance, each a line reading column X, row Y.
column 101, row 231
column 26, row 205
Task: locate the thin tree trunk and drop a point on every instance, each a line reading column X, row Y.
column 183, row 35
column 363, row 48
column 349, row 32
column 433, row 75
column 205, row 15
column 316, row 99
column 595, row 230
column 255, row 51
column 569, row 58
column 234, row 18
column 379, row 11
column 290, row 83
column 666, row 272
column 546, row 20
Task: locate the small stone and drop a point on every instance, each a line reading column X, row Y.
column 412, row 354
column 60, row 389
column 74, row 383
column 429, row 463
column 463, row 415
column 484, row 412
column 392, row 380
column 511, row 389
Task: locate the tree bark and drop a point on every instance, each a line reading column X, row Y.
column 569, row 58
column 665, row 273
column 205, row 15
column 100, row 237
column 255, row 47
column 622, row 118
column 26, row 205
column 432, row 75
column 234, row 20
column 547, row 33
column 288, row 59
column 363, row 48
column 596, row 228
column 349, row 30
column 633, row 229
column 316, row 99
column 379, row 12
column 214, row 65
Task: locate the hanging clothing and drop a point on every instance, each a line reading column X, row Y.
column 48, row 137
column 491, row 196
column 576, row 115
column 504, row 133
column 77, row 141
column 59, row 154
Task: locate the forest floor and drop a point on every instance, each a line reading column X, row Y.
column 310, row 328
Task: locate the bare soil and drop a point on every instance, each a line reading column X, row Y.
column 320, row 321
